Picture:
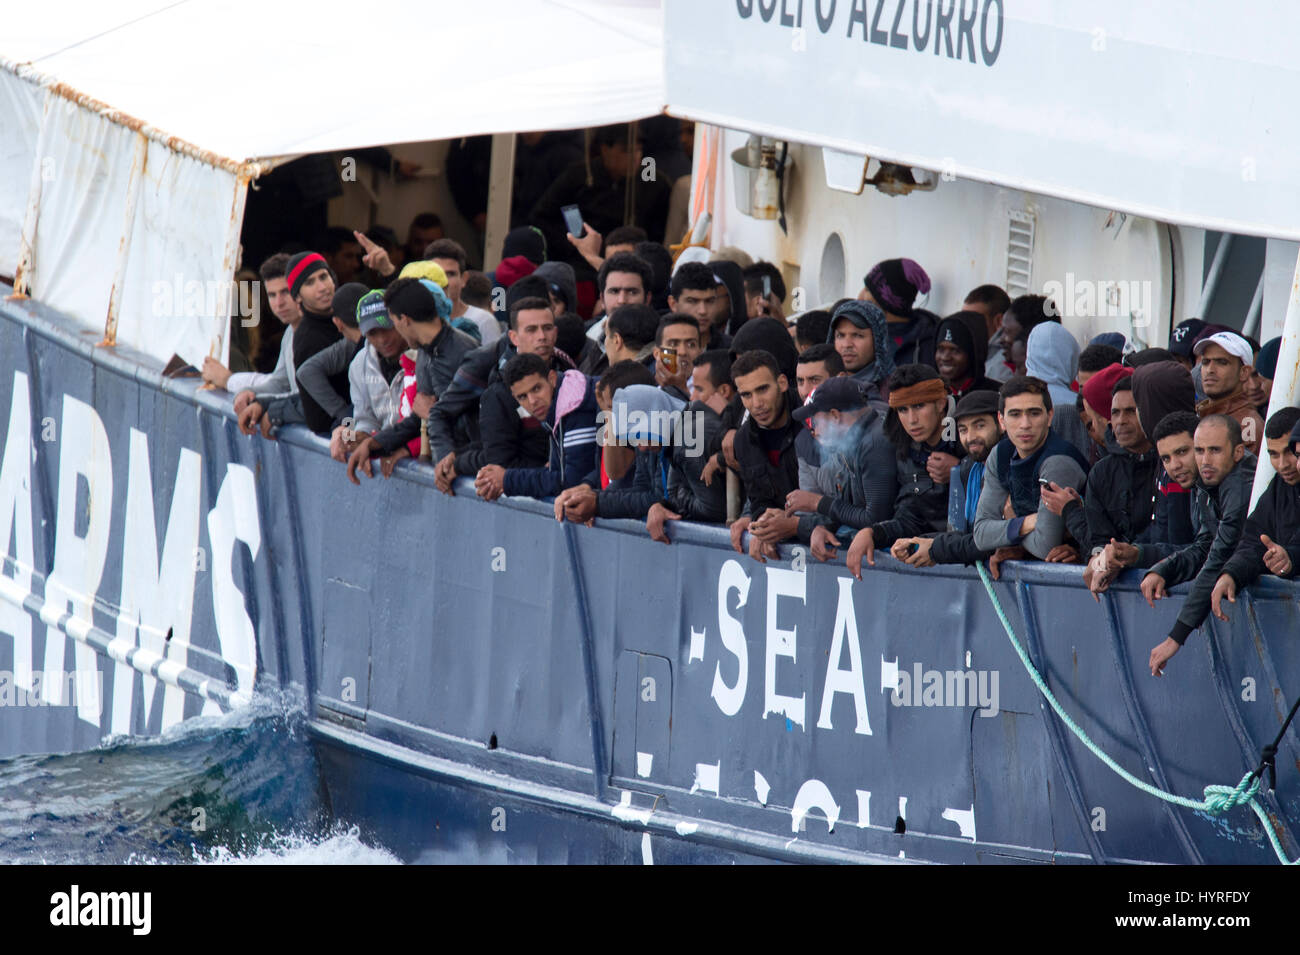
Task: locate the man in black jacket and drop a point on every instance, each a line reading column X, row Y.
column 475, row 422
column 311, row 283
column 1270, row 542
column 1227, row 471
column 325, row 375
column 764, row 450
column 415, row 314
column 1119, row 498
column 1174, row 439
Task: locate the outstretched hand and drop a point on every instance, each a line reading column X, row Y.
column 375, row 257
column 1276, row 559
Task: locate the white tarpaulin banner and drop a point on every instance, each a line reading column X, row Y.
column 162, row 238
column 1175, row 111
column 21, row 105
column 81, row 210
column 178, row 292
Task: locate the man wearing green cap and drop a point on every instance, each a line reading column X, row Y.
column 375, row 378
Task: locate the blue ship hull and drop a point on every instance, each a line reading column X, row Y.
column 485, row 684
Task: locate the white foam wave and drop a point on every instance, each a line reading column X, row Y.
column 339, row 848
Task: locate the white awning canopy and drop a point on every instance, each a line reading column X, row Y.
column 131, row 129
column 248, row 79
column 1180, row 112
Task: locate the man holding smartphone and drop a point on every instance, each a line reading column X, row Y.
column 677, row 343
column 1030, row 452
column 764, row 291
column 598, row 187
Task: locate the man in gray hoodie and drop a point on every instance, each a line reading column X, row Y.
column 1031, row 454
column 1052, row 354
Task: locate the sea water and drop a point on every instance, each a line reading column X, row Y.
column 242, row 788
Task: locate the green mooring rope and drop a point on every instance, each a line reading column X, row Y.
column 1218, row 799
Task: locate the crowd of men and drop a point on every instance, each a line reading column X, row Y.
column 871, row 424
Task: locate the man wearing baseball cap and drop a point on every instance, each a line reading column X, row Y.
column 848, row 427
column 1183, row 338
column 375, row 377
column 1226, row 365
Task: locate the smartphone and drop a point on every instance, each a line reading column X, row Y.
column 767, row 287
column 912, row 548
column 1043, row 482
column 669, row 357
column 573, row 221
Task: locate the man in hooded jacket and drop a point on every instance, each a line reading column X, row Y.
column 893, row 286
column 1052, row 355
column 1119, row 498
column 731, row 287
column 868, row 359
column 1161, row 389
column 960, row 352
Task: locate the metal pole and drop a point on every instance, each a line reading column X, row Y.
column 1286, row 383
column 1256, row 308
column 501, row 185
column 1212, row 280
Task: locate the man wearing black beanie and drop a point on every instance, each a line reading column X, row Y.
column 894, row 286
column 311, row 284
column 960, row 352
